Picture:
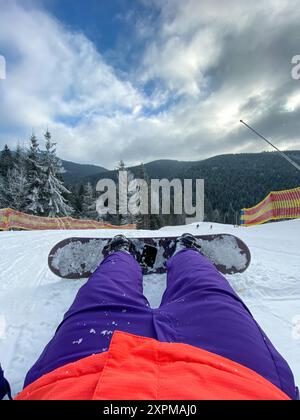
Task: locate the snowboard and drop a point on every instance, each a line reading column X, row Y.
column 77, row 258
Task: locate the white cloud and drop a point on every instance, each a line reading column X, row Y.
column 55, row 74
column 192, row 35
column 293, row 102
column 181, row 63
column 220, row 55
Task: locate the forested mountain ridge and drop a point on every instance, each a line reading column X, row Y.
column 239, row 181
column 232, row 181
column 75, row 172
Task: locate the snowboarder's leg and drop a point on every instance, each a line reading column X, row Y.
column 207, row 313
column 119, row 278
column 111, row 300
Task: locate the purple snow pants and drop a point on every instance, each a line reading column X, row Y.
column 198, row 308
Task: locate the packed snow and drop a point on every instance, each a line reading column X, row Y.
column 33, row 300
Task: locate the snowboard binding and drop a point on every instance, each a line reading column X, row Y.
column 187, row 241
column 119, row 244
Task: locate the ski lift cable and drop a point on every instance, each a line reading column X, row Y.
column 285, row 156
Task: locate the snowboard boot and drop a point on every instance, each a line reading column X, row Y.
column 187, row 241
column 120, row 244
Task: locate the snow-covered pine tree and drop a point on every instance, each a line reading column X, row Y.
column 138, row 199
column 143, row 221
column 216, row 216
column 3, row 197
column 89, row 203
column 17, row 183
column 121, row 167
column 35, row 176
column 75, row 199
column 6, row 161
column 123, row 185
column 53, row 189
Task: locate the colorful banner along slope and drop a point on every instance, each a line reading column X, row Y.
column 278, row 205
column 11, row 219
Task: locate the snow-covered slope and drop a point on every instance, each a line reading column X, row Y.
column 33, row 300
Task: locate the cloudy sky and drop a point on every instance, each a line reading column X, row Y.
column 149, row 79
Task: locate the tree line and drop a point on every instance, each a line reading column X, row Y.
column 31, row 181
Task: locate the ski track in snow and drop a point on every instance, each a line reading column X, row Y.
column 33, row 300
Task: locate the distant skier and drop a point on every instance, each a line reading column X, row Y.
column 202, row 343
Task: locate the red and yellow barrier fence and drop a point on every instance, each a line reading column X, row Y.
column 11, row 219
column 278, row 205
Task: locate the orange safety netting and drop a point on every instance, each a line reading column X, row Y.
column 278, row 205
column 12, row 219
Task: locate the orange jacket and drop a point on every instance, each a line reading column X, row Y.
column 139, row 368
